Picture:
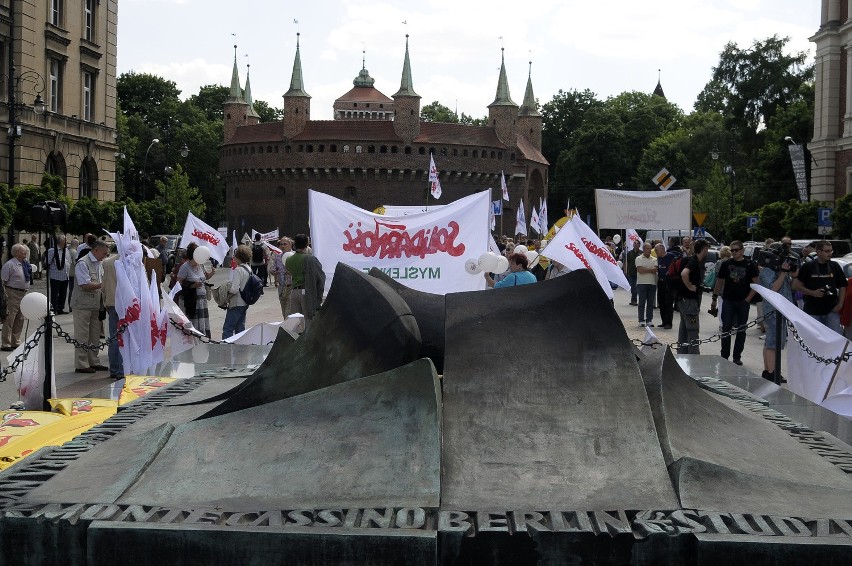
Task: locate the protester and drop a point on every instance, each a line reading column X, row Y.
column 16, row 285
column 733, row 283
column 87, row 303
column 308, row 280
column 629, row 262
column 518, row 273
column 645, row 283
column 34, row 257
column 824, row 287
column 665, row 296
column 235, row 316
column 780, row 281
column 58, row 269
column 110, row 281
column 164, row 252
column 72, row 253
column 689, row 299
column 192, row 277
column 259, row 257
column 282, row 276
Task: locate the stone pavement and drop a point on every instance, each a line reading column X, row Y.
column 72, row 384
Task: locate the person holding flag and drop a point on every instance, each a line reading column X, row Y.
column 235, row 316
column 192, row 277
column 434, row 182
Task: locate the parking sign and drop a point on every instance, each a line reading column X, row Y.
column 824, row 218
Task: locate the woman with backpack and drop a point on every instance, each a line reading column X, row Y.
column 235, row 316
column 192, row 277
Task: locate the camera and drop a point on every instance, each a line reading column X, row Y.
column 776, row 260
column 49, row 213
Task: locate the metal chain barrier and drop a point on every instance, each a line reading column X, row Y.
column 714, row 338
column 201, row 337
column 90, row 347
column 19, row 359
column 813, row 355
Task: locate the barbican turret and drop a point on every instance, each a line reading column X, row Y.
column 406, row 122
column 503, row 112
column 252, row 117
column 529, row 119
column 235, row 108
column 297, row 102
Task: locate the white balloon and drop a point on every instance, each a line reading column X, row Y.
column 34, row 306
column 502, row 264
column 472, row 266
column 487, row 262
column 201, row 254
column 520, row 249
column 616, row 238
column 532, row 256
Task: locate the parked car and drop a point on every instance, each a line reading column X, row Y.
column 840, row 248
column 664, row 235
column 172, row 247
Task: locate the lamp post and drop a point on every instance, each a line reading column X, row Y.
column 145, row 165
column 15, row 131
column 732, row 174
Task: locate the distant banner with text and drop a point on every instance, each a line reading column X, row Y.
column 645, row 210
column 424, row 251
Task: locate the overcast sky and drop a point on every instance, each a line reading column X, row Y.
column 605, row 46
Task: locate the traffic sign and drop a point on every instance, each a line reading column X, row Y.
column 824, row 217
column 699, row 232
column 663, row 179
column 751, row 221
column 700, row 217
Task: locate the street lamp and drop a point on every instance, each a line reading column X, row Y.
column 184, row 150
column 729, row 170
column 15, row 131
column 145, row 165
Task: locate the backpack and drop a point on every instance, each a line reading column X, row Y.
column 674, row 282
column 257, row 253
column 253, row 288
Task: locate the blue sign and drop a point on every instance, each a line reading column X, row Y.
column 824, row 217
column 699, row 232
column 751, row 222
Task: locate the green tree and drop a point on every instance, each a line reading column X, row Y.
column 841, row 217
column 801, row 219
column 27, row 196
column 561, row 117
column 749, row 85
column 770, row 221
column 177, row 198
column 714, row 201
column 266, row 112
column 437, row 112
column 143, row 95
column 210, row 100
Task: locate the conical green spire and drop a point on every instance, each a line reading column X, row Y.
column 502, row 98
column 528, row 106
column 406, row 85
column 236, row 94
column 248, row 97
column 297, row 86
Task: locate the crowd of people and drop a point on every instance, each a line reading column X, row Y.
column 83, row 279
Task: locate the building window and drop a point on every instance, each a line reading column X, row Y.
column 55, row 85
column 55, row 165
column 394, row 149
column 301, row 148
column 444, row 151
column 407, row 150
column 280, row 192
column 455, row 152
column 345, row 149
column 371, row 149
column 475, row 153
column 321, row 148
column 56, row 12
column 310, row 148
column 493, row 155
column 288, row 149
column 422, row 151
column 88, row 96
column 89, row 20
column 88, row 178
column 357, row 149
column 269, row 149
column 333, row 148
column 464, row 153
column 354, row 105
column 260, row 149
column 351, row 192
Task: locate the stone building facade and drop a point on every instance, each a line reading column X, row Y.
column 66, row 53
column 373, row 155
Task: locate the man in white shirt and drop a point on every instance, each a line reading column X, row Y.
column 16, row 285
column 87, row 302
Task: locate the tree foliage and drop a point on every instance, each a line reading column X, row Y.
column 437, row 112
column 841, row 217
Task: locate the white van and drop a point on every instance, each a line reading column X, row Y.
column 664, row 235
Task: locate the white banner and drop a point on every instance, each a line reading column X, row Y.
column 828, row 385
column 395, row 210
column 265, row 236
column 198, row 231
column 425, row 251
column 650, row 210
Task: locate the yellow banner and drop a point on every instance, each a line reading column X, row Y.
column 136, row 386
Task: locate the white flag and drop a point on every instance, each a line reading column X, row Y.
column 129, row 309
column 542, row 217
column 159, row 332
column 504, row 187
column 129, row 227
column 434, row 182
column 534, row 221
column 521, row 220
column 273, row 249
column 632, row 236
column 196, row 230
column 600, row 253
column 567, row 248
